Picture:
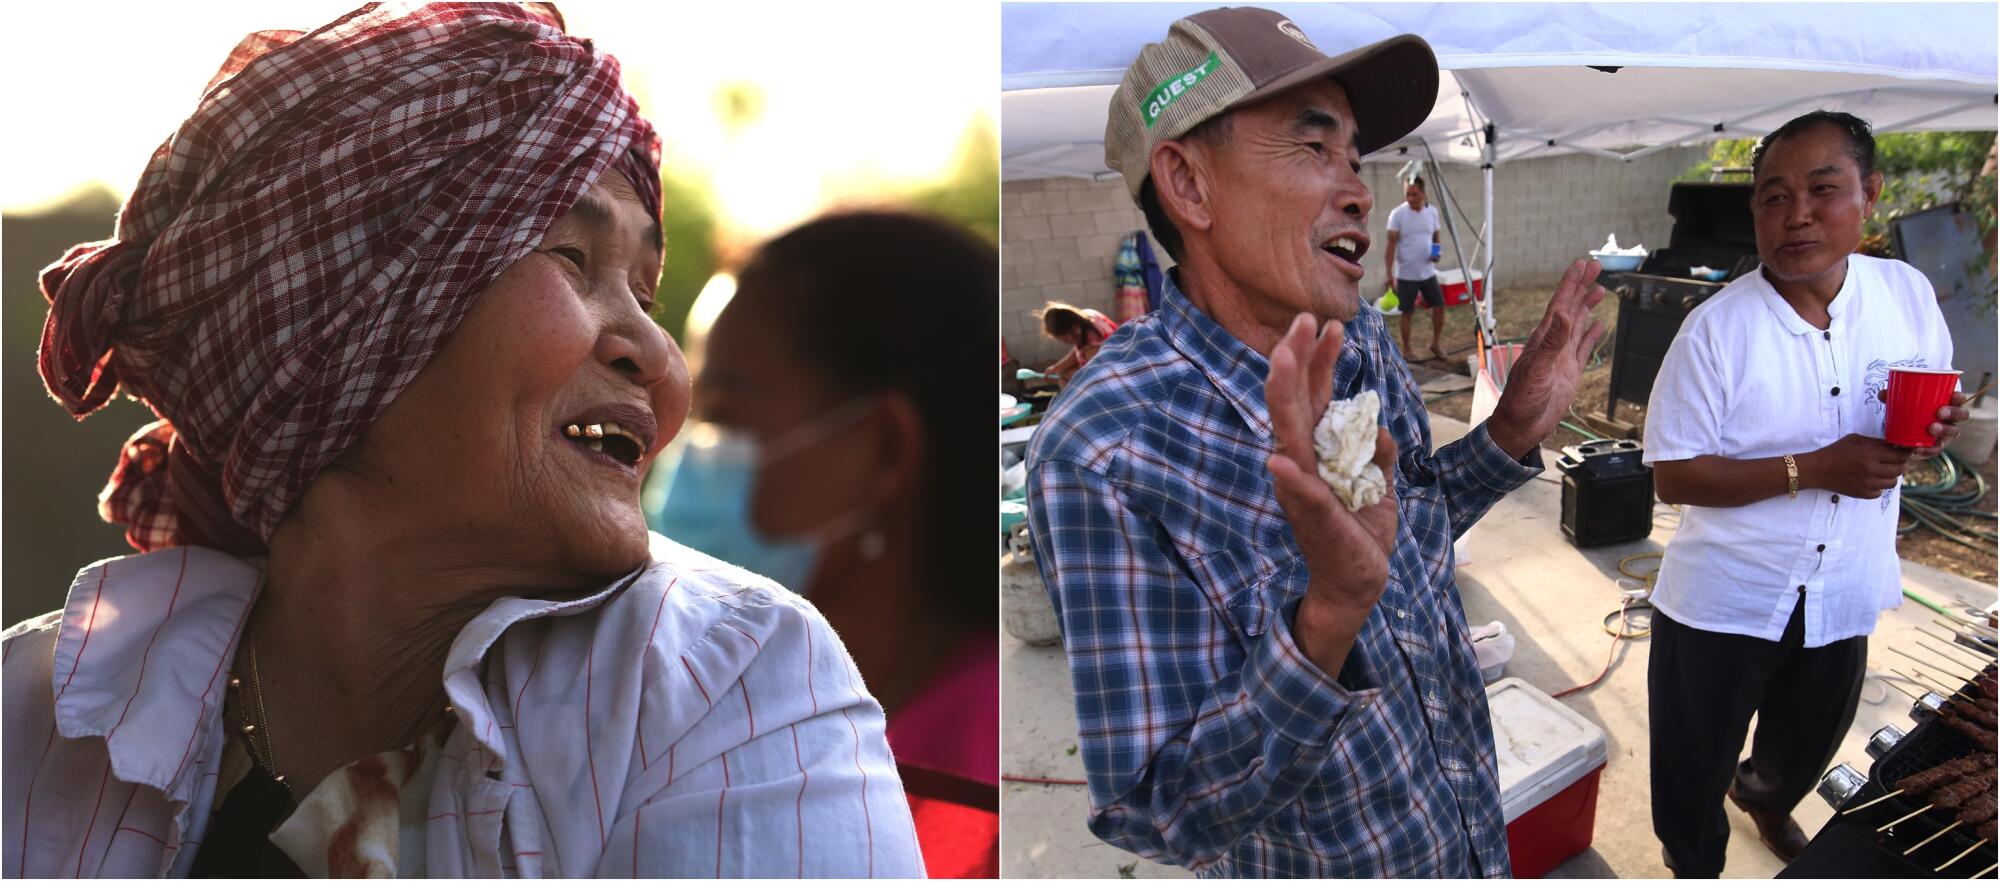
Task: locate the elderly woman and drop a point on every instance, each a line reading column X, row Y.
column 395, row 613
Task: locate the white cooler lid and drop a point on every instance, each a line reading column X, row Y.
column 1542, row 746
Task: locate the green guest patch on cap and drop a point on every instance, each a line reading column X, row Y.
column 1167, row 92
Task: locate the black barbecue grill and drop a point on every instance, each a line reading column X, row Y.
column 1713, row 228
column 1849, row 846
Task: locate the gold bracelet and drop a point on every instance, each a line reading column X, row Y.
column 1792, row 475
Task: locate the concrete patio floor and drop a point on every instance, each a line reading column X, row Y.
column 1553, row 597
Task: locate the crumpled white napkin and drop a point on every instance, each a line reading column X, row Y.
column 1344, row 439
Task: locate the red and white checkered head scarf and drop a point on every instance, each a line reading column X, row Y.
column 301, row 247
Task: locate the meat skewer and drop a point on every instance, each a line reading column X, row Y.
column 1961, row 792
column 1978, row 810
column 1968, row 709
column 1927, row 780
column 1979, row 734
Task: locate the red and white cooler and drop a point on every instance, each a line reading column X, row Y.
column 1550, row 760
column 1456, row 291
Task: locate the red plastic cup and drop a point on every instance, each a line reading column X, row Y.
column 1915, row 394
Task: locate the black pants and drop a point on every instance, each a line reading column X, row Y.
column 1702, row 688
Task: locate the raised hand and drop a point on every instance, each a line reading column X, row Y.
column 1543, row 381
column 1346, row 553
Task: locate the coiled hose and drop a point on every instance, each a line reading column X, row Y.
column 1944, row 495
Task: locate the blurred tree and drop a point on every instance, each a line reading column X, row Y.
column 687, row 210
column 971, row 194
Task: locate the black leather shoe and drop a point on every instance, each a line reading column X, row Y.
column 1779, row 832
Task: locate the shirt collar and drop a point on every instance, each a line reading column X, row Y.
column 1237, row 370
column 144, row 647
column 1788, row 317
column 142, row 658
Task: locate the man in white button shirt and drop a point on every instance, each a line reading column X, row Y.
column 1413, row 229
column 1766, row 423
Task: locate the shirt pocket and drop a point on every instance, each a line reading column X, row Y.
column 1251, row 585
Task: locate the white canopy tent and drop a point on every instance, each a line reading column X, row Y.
column 1522, row 80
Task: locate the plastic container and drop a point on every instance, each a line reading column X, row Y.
column 1455, row 291
column 1618, row 262
column 1914, row 398
column 1550, row 762
column 1975, row 438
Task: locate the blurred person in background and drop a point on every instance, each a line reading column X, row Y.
column 1083, row 330
column 1411, row 261
column 396, row 610
column 848, row 452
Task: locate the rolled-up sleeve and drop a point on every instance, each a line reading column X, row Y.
column 1173, row 776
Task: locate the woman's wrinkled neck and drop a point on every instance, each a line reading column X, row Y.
column 358, row 613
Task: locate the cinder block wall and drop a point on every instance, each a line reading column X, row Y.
column 1059, row 236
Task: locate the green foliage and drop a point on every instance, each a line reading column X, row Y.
column 971, row 195
column 1920, row 170
column 687, row 219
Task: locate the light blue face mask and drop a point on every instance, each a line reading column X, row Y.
column 699, row 495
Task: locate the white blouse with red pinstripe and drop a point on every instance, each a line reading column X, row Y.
column 694, row 720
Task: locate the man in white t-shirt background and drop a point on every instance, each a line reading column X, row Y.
column 1765, row 423
column 1413, row 249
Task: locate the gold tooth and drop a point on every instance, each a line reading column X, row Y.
column 593, row 430
column 573, row 430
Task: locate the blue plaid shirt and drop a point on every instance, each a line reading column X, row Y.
column 1210, row 740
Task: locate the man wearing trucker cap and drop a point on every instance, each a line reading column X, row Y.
column 1268, row 684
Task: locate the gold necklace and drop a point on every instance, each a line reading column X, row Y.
column 267, row 756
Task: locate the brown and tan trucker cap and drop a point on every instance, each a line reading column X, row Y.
column 1214, row 60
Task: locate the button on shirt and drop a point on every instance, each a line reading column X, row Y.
column 1209, row 739
column 1747, row 378
column 693, row 720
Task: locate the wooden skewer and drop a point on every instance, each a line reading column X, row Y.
column 1919, row 678
column 1871, row 803
column 1931, row 664
column 1984, row 871
column 1955, row 624
column 1961, row 854
column 1892, row 684
column 1948, row 692
column 1887, row 826
column 1968, row 650
column 1954, row 659
column 1934, row 837
column 1951, row 620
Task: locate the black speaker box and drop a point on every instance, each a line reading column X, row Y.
column 1607, row 493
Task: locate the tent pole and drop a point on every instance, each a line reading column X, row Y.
column 1492, row 240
